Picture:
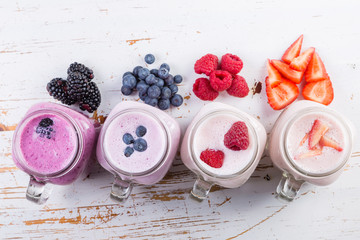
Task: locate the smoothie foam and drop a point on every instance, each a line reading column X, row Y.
column 330, row 158
column 138, row 162
column 48, row 154
column 210, row 135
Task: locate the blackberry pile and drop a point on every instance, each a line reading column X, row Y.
column 156, row 87
column 77, row 88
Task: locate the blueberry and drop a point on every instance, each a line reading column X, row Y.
column 166, row 93
column 154, row 91
column 178, row 79
column 142, row 95
column 151, row 79
column 128, row 151
column 169, row 80
column 160, row 83
column 129, row 81
column 164, row 104
column 176, row 100
column 143, row 73
column 155, row 72
column 136, row 70
column 151, row 101
column 127, row 73
column 140, row 131
column 149, row 59
column 165, row 65
column 128, row 138
column 142, row 86
column 174, row 89
column 126, row 90
column 140, row 145
column 163, row 73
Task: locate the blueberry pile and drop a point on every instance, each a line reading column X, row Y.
column 77, row 88
column 138, row 144
column 44, row 128
column 156, row 87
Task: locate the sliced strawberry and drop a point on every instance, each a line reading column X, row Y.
column 282, row 95
column 317, row 131
column 287, row 72
column 293, row 51
column 321, row 92
column 311, row 153
column 274, row 75
column 328, row 142
column 304, row 139
column 301, row 62
column 316, row 70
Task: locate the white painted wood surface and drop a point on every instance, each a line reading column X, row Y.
column 39, row 39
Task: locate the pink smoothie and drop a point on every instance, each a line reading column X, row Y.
column 330, row 159
column 48, row 154
column 137, row 162
column 210, row 135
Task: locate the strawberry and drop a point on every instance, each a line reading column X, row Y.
column 316, row 70
column 311, row 153
column 328, row 142
column 274, row 75
column 282, row 95
column 317, row 131
column 293, row 51
column 301, row 62
column 287, row 72
column 213, row 158
column 321, row 92
column 304, row 139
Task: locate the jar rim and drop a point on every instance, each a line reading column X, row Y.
column 164, row 156
column 78, row 148
column 251, row 129
column 309, row 110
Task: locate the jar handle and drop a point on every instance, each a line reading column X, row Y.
column 120, row 189
column 201, row 189
column 288, row 187
column 38, row 192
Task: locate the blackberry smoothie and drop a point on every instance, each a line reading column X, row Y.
column 137, row 144
column 52, row 144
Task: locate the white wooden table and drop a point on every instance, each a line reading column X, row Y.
column 39, row 39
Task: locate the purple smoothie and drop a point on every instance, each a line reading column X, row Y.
column 53, row 143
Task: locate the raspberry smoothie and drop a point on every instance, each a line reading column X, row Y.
column 137, row 144
column 223, row 146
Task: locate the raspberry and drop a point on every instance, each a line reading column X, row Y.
column 206, row 64
column 212, row 158
column 220, row 80
column 237, row 138
column 238, row 88
column 231, row 63
column 203, row 90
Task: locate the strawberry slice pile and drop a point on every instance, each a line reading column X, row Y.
column 317, row 140
column 284, row 74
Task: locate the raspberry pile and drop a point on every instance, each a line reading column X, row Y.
column 77, row 88
column 222, row 77
column 156, row 87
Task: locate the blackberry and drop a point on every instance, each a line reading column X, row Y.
column 44, row 128
column 58, row 89
column 78, row 85
column 92, row 98
column 78, row 67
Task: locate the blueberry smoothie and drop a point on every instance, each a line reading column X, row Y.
column 138, row 143
column 135, row 142
column 53, row 143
